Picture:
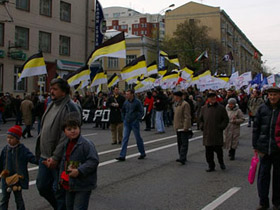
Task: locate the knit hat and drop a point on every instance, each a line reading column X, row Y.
column 15, row 131
column 232, row 101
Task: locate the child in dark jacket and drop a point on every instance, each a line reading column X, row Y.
column 78, row 168
column 13, row 166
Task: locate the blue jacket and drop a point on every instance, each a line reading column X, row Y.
column 85, row 153
column 132, row 110
column 18, row 159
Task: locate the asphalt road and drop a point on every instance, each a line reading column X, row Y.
column 158, row 182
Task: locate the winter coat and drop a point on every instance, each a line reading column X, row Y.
column 182, row 116
column 213, row 120
column 85, row 153
column 26, row 109
column 132, row 111
column 52, row 146
column 264, row 129
column 160, row 102
column 254, row 104
column 115, row 112
column 18, row 159
column 232, row 132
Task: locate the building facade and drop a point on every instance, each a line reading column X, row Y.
column 133, row 22
column 62, row 30
column 246, row 57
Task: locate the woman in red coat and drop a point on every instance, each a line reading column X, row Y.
column 148, row 103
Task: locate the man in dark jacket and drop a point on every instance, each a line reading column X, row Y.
column 264, row 143
column 115, row 103
column 160, row 105
column 213, row 120
column 132, row 113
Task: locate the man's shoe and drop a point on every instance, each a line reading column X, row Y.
column 210, row 169
column 262, row 208
column 120, row 158
column 147, row 129
column 248, row 126
column 29, row 136
column 181, row 161
column 23, row 136
column 113, row 143
column 223, row 167
column 119, row 142
column 141, row 157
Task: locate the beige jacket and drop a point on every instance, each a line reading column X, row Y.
column 182, row 116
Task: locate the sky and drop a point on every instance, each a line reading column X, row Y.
column 259, row 20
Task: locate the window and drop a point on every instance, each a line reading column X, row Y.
column 64, row 45
column 123, row 27
column 1, row 34
column 1, row 77
column 22, row 4
column 22, row 37
column 46, row 7
column 19, row 86
column 135, row 26
column 113, row 63
column 130, row 58
column 116, row 15
column 65, row 11
column 142, row 32
column 45, row 41
column 136, row 33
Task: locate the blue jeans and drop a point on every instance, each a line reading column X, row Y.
column 135, row 127
column 159, row 121
column 47, row 185
column 6, row 196
column 77, row 200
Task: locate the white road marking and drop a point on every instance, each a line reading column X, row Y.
column 132, row 155
column 90, row 134
column 221, row 199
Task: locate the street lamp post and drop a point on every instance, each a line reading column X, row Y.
column 158, row 30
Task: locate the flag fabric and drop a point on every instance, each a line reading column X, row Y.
column 134, row 68
column 174, row 59
column 162, row 71
column 99, row 88
column 202, row 56
column 114, row 47
column 35, row 65
column 256, row 56
column 244, row 79
column 99, row 78
column 169, row 79
column 79, row 75
column 131, row 80
column 186, row 73
column 162, row 53
column 114, row 79
column 228, row 57
column 257, row 79
column 152, row 68
column 271, row 80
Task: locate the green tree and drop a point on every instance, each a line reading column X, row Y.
column 189, row 40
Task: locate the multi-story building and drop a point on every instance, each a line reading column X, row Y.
column 133, row 22
column 62, row 30
column 222, row 28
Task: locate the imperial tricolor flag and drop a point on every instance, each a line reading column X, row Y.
column 79, row 75
column 152, row 68
column 134, row 68
column 35, row 65
column 114, row 47
column 114, row 79
column 99, row 78
column 228, row 57
column 174, row 59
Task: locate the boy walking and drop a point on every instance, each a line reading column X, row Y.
column 78, row 168
column 13, row 166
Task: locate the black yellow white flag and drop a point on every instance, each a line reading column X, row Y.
column 114, row 47
column 35, row 65
column 100, row 78
column 114, row 79
column 134, row 68
column 152, row 68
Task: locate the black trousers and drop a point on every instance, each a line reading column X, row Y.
column 148, row 120
column 266, row 163
column 183, row 144
column 210, row 155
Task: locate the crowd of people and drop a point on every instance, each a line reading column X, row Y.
column 68, row 162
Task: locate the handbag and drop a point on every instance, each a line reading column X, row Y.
column 253, row 168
